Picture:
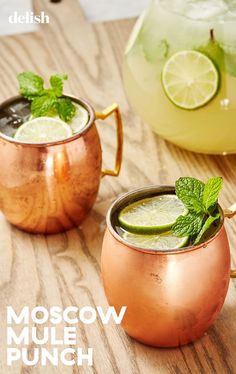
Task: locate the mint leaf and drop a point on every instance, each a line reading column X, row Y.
column 56, row 82
column 205, row 227
column 188, row 225
column 190, row 192
column 46, row 102
column 201, row 201
column 66, row 109
column 211, row 192
column 42, row 105
column 31, row 85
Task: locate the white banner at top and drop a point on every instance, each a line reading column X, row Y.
column 107, row 10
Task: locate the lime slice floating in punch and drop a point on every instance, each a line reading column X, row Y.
column 163, row 241
column 152, row 215
column 43, row 130
column 190, row 79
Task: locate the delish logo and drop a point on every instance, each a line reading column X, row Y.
column 28, row 17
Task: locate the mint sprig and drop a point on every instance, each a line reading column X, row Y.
column 206, row 227
column 64, row 108
column 31, row 85
column 211, row 193
column 190, row 224
column 201, row 200
column 190, row 192
column 46, row 102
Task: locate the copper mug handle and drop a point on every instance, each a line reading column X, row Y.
column 119, row 127
column 230, row 213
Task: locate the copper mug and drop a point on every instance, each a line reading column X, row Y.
column 172, row 296
column 49, row 188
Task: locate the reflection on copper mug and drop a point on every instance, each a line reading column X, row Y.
column 49, row 188
column 172, row 296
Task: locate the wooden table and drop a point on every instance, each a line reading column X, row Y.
column 65, row 269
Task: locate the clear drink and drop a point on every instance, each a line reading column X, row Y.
column 169, row 27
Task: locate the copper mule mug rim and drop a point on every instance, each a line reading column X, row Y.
column 141, row 193
column 82, row 131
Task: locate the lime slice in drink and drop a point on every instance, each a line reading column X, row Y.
column 152, row 215
column 162, row 241
column 43, row 130
column 80, row 120
column 190, row 79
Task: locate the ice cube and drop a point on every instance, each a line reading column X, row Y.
column 205, row 10
column 22, row 108
column 14, row 116
column 199, row 9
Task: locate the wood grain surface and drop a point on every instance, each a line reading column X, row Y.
column 65, row 269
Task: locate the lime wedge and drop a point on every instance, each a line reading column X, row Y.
column 164, row 241
column 190, row 79
column 152, row 215
column 43, row 130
